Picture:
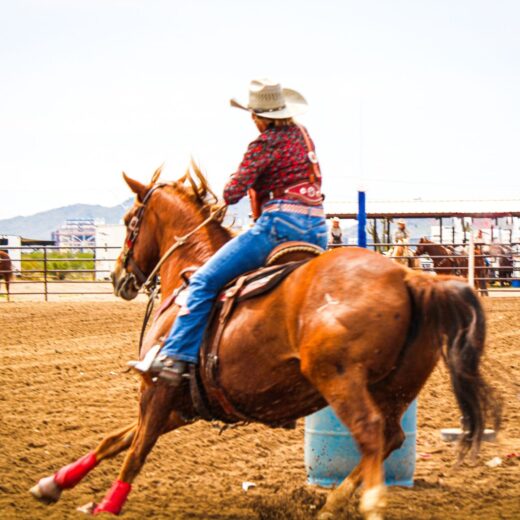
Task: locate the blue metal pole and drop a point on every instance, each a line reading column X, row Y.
column 362, row 220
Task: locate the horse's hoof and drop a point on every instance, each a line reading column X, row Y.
column 87, row 509
column 46, row 491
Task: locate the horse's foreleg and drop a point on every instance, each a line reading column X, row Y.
column 346, row 391
column 156, row 419
column 49, row 489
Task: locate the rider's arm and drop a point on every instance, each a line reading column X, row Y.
column 256, row 160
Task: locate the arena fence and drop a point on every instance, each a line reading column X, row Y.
column 54, row 273
column 49, row 271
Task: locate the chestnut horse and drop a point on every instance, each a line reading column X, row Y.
column 349, row 328
column 447, row 261
column 6, row 270
column 402, row 254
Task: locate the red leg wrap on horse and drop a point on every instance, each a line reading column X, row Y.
column 115, row 498
column 68, row 476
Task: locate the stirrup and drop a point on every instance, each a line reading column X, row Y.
column 173, row 371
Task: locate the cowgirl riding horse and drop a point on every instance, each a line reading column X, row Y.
column 281, row 168
column 349, row 328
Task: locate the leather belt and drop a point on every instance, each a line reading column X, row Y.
column 304, row 192
column 295, row 208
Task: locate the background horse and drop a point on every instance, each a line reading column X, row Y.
column 447, row 261
column 6, row 270
column 349, row 328
column 501, row 258
column 402, row 254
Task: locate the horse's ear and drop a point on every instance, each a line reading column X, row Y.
column 203, row 188
column 188, row 179
column 182, row 180
column 156, row 174
column 138, row 188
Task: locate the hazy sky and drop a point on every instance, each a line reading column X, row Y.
column 421, row 97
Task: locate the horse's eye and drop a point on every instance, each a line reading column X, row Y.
column 133, row 223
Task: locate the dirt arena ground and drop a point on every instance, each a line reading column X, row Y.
column 61, row 390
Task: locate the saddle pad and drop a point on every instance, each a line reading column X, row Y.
column 241, row 288
column 258, row 282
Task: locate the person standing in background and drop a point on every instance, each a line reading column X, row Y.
column 336, row 234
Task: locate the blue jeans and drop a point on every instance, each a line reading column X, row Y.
column 243, row 253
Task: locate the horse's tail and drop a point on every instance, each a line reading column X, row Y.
column 449, row 312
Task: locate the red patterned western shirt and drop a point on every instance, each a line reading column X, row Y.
column 277, row 158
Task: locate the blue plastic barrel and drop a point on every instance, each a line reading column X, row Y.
column 331, row 452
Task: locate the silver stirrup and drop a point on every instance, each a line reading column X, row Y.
column 146, row 363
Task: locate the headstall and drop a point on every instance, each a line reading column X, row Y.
column 133, row 227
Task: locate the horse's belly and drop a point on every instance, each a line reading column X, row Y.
column 282, row 394
column 261, row 374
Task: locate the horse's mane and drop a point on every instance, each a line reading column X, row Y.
column 192, row 188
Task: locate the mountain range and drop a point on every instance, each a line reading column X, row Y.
column 41, row 225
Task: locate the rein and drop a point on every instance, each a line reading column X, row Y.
column 150, row 284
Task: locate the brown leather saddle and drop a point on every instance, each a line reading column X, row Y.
column 209, row 398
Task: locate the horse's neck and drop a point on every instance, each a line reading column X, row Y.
column 197, row 250
column 437, row 253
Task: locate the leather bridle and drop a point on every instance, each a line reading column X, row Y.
column 127, row 257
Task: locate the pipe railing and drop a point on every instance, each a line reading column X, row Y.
column 52, row 279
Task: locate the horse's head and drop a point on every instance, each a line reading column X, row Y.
column 422, row 247
column 161, row 213
column 140, row 249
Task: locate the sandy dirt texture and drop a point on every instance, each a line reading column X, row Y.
column 62, row 389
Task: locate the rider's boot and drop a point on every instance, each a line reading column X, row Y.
column 166, row 368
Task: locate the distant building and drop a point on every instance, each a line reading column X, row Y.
column 109, row 241
column 77, row 234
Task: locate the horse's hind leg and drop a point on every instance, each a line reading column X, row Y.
column 345, row 389
column 155, row 419
column 49, row 489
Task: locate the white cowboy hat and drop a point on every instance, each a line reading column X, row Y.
column 401, row 221
column 268, row 99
